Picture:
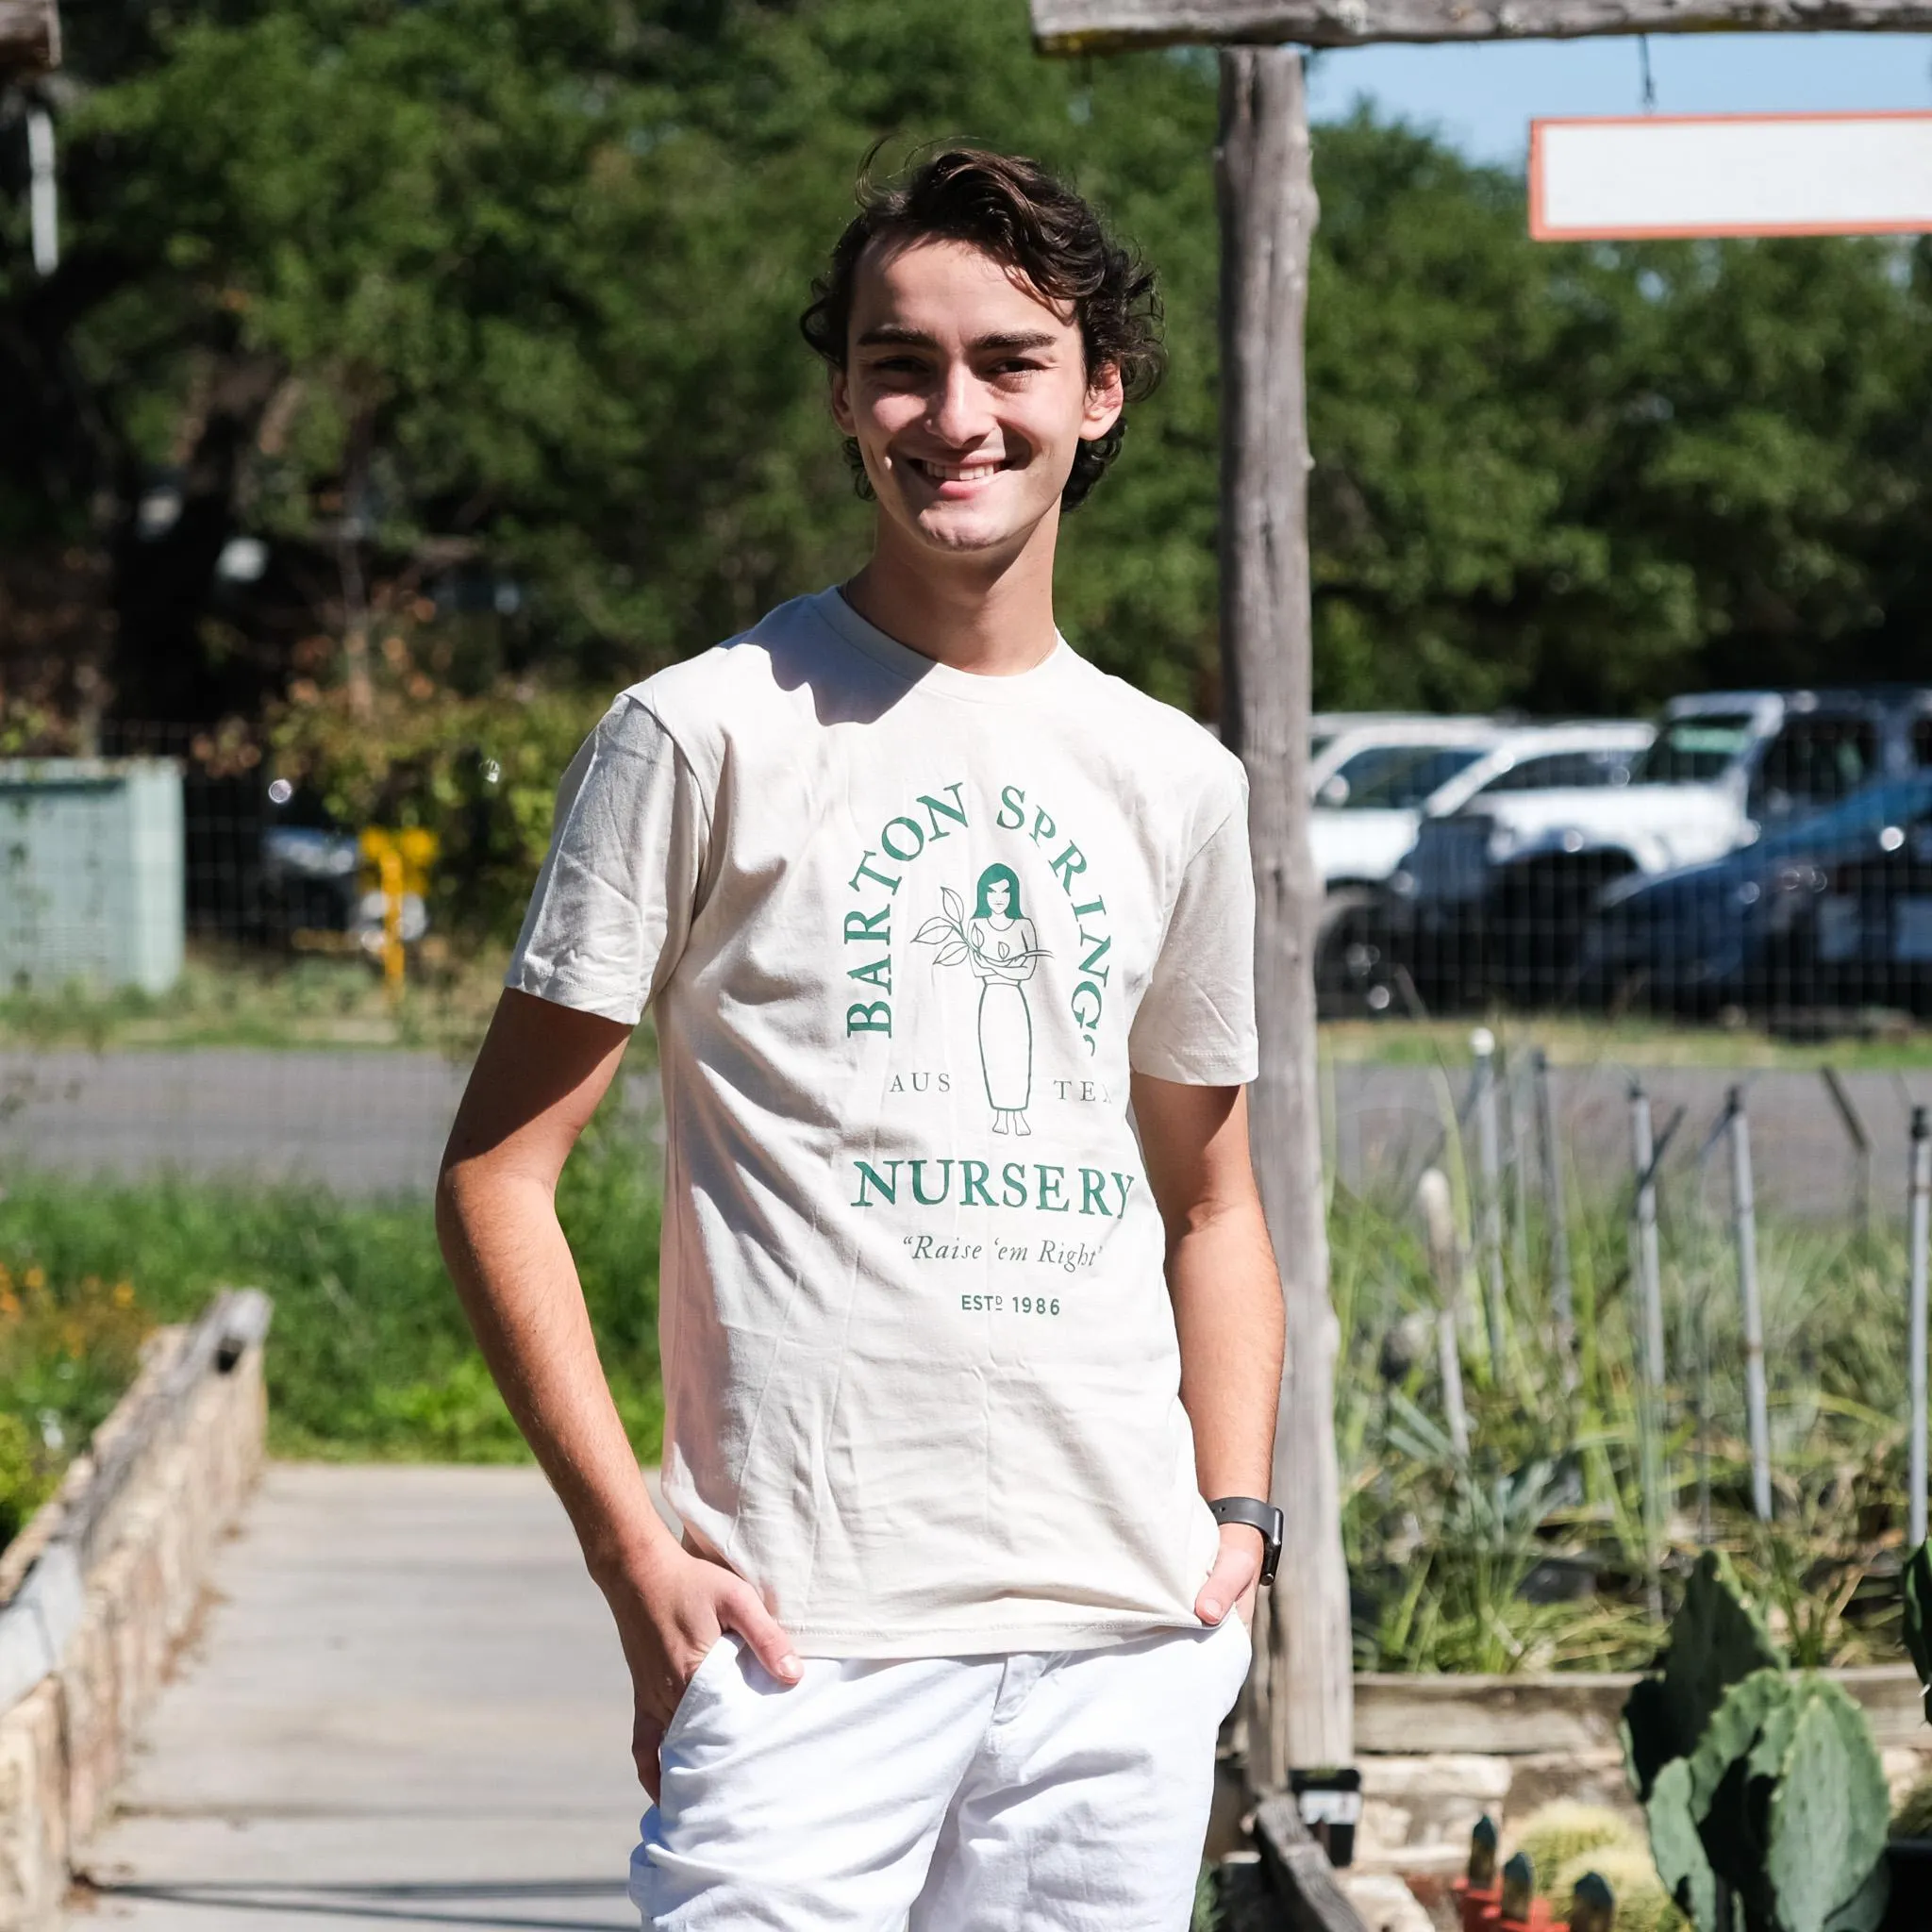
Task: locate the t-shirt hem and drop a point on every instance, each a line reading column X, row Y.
column 980, row 1639
column 1197, row 1073
column 561, row 991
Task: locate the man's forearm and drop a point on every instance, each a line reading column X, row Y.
column 513, row 1271
column 1226, row 1294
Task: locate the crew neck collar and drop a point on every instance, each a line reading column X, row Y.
column 942, row 680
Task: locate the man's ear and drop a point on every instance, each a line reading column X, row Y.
column 841, row 392
column 1105, row 398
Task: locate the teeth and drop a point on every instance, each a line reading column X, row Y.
column 961, row 472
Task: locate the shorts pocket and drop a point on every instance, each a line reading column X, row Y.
column 1234, row 1653
column 699, row 1686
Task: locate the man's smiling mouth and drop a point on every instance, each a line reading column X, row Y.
column 955, row 473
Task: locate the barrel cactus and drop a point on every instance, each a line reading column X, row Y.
column 1556, row 1834
column 1913, row 1816
column 1642, row 1903
column 1754, row 1779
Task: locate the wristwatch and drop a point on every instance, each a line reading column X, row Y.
column 1256, row 1515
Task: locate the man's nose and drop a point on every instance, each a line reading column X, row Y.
column 961, row 415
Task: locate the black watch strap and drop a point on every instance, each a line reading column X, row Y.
column 1255, row 1514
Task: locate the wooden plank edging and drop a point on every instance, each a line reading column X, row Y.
column 1417, row 1716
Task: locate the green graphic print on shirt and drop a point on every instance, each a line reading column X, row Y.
column 989, row 929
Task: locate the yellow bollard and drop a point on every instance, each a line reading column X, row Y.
column 400, row 862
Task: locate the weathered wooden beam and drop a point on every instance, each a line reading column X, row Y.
column 29, row 38
column 1094, row 26
column 1301, row 1717
column 1545, row 1713
column 1305, row 1885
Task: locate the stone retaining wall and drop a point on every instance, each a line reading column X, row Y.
column 63, row 1746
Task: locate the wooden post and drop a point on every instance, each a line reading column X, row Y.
column 1268, row 212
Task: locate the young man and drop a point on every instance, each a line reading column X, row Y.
column 958, row 1350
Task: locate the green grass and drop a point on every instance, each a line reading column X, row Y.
column 1877, row 1041
column 370, row 1356
column 245, row 999
column 229, row 997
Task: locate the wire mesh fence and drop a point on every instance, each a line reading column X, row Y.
column 1760, row 860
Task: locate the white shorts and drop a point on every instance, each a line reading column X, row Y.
column 1053, row 1792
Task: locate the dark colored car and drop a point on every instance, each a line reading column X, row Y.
column 1758, row 928
column 1867, row 939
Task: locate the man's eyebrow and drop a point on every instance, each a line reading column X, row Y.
column 896, row 335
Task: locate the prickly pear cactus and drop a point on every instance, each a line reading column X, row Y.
column 1916, row 1589
column 1776, row 1789
column 1716, row 1640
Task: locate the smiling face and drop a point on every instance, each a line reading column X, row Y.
column 967, row 396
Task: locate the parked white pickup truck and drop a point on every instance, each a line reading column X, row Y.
column 1369, row 777
column 1497, row 892
column 1359, row 843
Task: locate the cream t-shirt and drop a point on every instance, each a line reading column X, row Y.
column 906, row 931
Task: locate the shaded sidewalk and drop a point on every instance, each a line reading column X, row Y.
column 406, row 1709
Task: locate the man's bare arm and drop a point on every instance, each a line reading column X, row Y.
column 542, row 1070
column 1226, row 1291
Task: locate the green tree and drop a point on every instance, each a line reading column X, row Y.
column 483, row 315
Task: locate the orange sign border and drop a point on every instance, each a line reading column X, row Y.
column 1540, row 231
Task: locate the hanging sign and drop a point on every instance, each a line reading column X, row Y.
column 1643, row 175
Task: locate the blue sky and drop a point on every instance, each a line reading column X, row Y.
column 1482, row 98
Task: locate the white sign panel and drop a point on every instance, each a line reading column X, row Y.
column 1656, row 174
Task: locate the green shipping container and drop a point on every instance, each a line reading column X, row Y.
column 93, row 887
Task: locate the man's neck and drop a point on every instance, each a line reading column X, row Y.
column 989, row 615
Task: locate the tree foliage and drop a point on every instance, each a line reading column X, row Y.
column 487, row 308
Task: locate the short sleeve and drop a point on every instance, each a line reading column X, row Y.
column 1195, row 1023
column 613, row 904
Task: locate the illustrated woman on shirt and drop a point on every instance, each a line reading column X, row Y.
column 1004, row 951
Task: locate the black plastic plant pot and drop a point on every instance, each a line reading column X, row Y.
column 1330, row 1804
column 1911, row 1908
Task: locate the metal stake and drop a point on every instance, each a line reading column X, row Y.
column 1489, row 1166
column 1438, row 1219
column 1744, row 1211
column 43, row 209
column 1920, row 1214
column 1557, row 1212
column 1860, row 1140
column 1650, row 1287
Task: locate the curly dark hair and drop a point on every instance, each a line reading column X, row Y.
column 1021, row 215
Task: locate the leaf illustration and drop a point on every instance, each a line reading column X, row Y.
column 949, row 900
column 933, row 931
column 950, row 953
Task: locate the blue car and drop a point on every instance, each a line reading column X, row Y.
column 1744, row 930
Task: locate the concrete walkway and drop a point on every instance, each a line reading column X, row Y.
column 407, row 1708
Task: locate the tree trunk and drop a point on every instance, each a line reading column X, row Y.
column 1304, row 1710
